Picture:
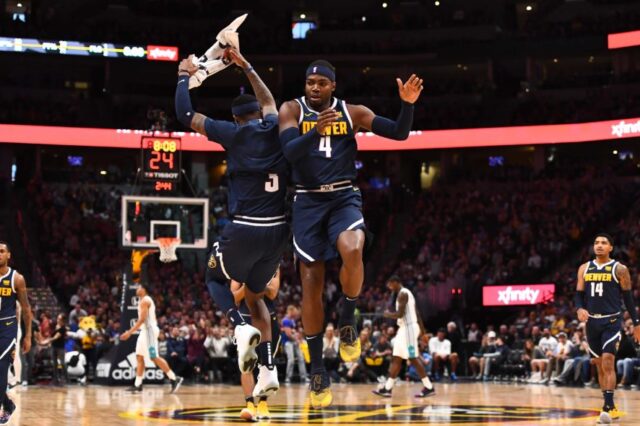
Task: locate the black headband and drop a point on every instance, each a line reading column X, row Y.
column 321, row 70
column 247, row 108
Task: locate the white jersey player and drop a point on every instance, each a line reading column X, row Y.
column 147, row 344
column 405, row 346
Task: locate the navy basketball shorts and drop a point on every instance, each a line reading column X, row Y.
column 320, row 217
column 8, row 337
column 603, row 335
column 275, row 325
column 247, row 254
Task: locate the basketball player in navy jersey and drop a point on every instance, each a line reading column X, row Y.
column 260, row 412
column 602, row 284
column 317, row 132
column 251, row 246
column 13, row 288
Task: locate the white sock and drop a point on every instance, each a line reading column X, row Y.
column 390, row 383
column 427, row 383
column 138, row 381
column 171, row 375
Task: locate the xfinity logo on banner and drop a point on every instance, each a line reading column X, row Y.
column 515, row 295
column 162, row 53
column 126, row 370
column 624, row 128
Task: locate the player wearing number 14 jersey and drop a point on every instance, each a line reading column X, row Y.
column 251, row 246
column 318, row 138
column 603, row 283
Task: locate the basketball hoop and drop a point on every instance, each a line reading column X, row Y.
column 167, row 246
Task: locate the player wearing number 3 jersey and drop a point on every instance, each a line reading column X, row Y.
column 317, row 132
column 603, row 283
column 251, row 246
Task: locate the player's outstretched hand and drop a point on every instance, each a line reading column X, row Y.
column 188, row 66
column 236, row 57
column 636, row 333
column 583, row 315
column 410, row 91
column 325, row 118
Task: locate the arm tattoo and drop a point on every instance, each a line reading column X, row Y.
column 580, row 283
column 197, row 123
column 21, row 293
column 402, row 305
column 263, row 94
column 622, row 272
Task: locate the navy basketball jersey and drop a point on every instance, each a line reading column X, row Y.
column 8, row 298
column 258, row 172
column 601, row 286
column 333, row 158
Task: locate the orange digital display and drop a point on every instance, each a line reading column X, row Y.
column 161, row 161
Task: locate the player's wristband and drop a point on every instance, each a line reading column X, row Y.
column 579, row 299
column 248, row 69
column 627, row 296
column 184, row 110
column 294, row 145
column 399, row 129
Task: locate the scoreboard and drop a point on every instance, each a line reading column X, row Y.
column 161, row 161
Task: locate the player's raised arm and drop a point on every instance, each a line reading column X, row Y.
column 263, row 94
column 583, row 314
column 364, row 118
column 624, row 277
column 21, row 293
column 213, row 129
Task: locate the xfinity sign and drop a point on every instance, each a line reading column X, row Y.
column 518, row 295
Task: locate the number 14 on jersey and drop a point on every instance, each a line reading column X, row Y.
column 596, row 288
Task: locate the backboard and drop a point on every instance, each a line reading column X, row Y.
column 144, row 219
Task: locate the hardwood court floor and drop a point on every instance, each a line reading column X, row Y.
column 463, row 403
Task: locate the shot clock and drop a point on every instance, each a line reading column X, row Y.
column 161, row 161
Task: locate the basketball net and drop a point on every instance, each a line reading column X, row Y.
column 167, row 246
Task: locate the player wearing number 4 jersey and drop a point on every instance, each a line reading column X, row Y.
column 318, row 138
column 251, row 246
column 603, row 283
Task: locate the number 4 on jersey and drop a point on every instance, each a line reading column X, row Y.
column 596, row 288
column 325, row 146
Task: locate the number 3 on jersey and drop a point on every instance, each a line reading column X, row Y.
column 325, row 146
column 272, row 184
column 596, row 288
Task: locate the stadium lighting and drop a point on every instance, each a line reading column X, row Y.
column 364, row 19
column 555, row 60
column 103, row 172
column 19, row 4
column 384, row 5
column 303, row 16
column 529, row 8
column 615, row 152
column 437, row 3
